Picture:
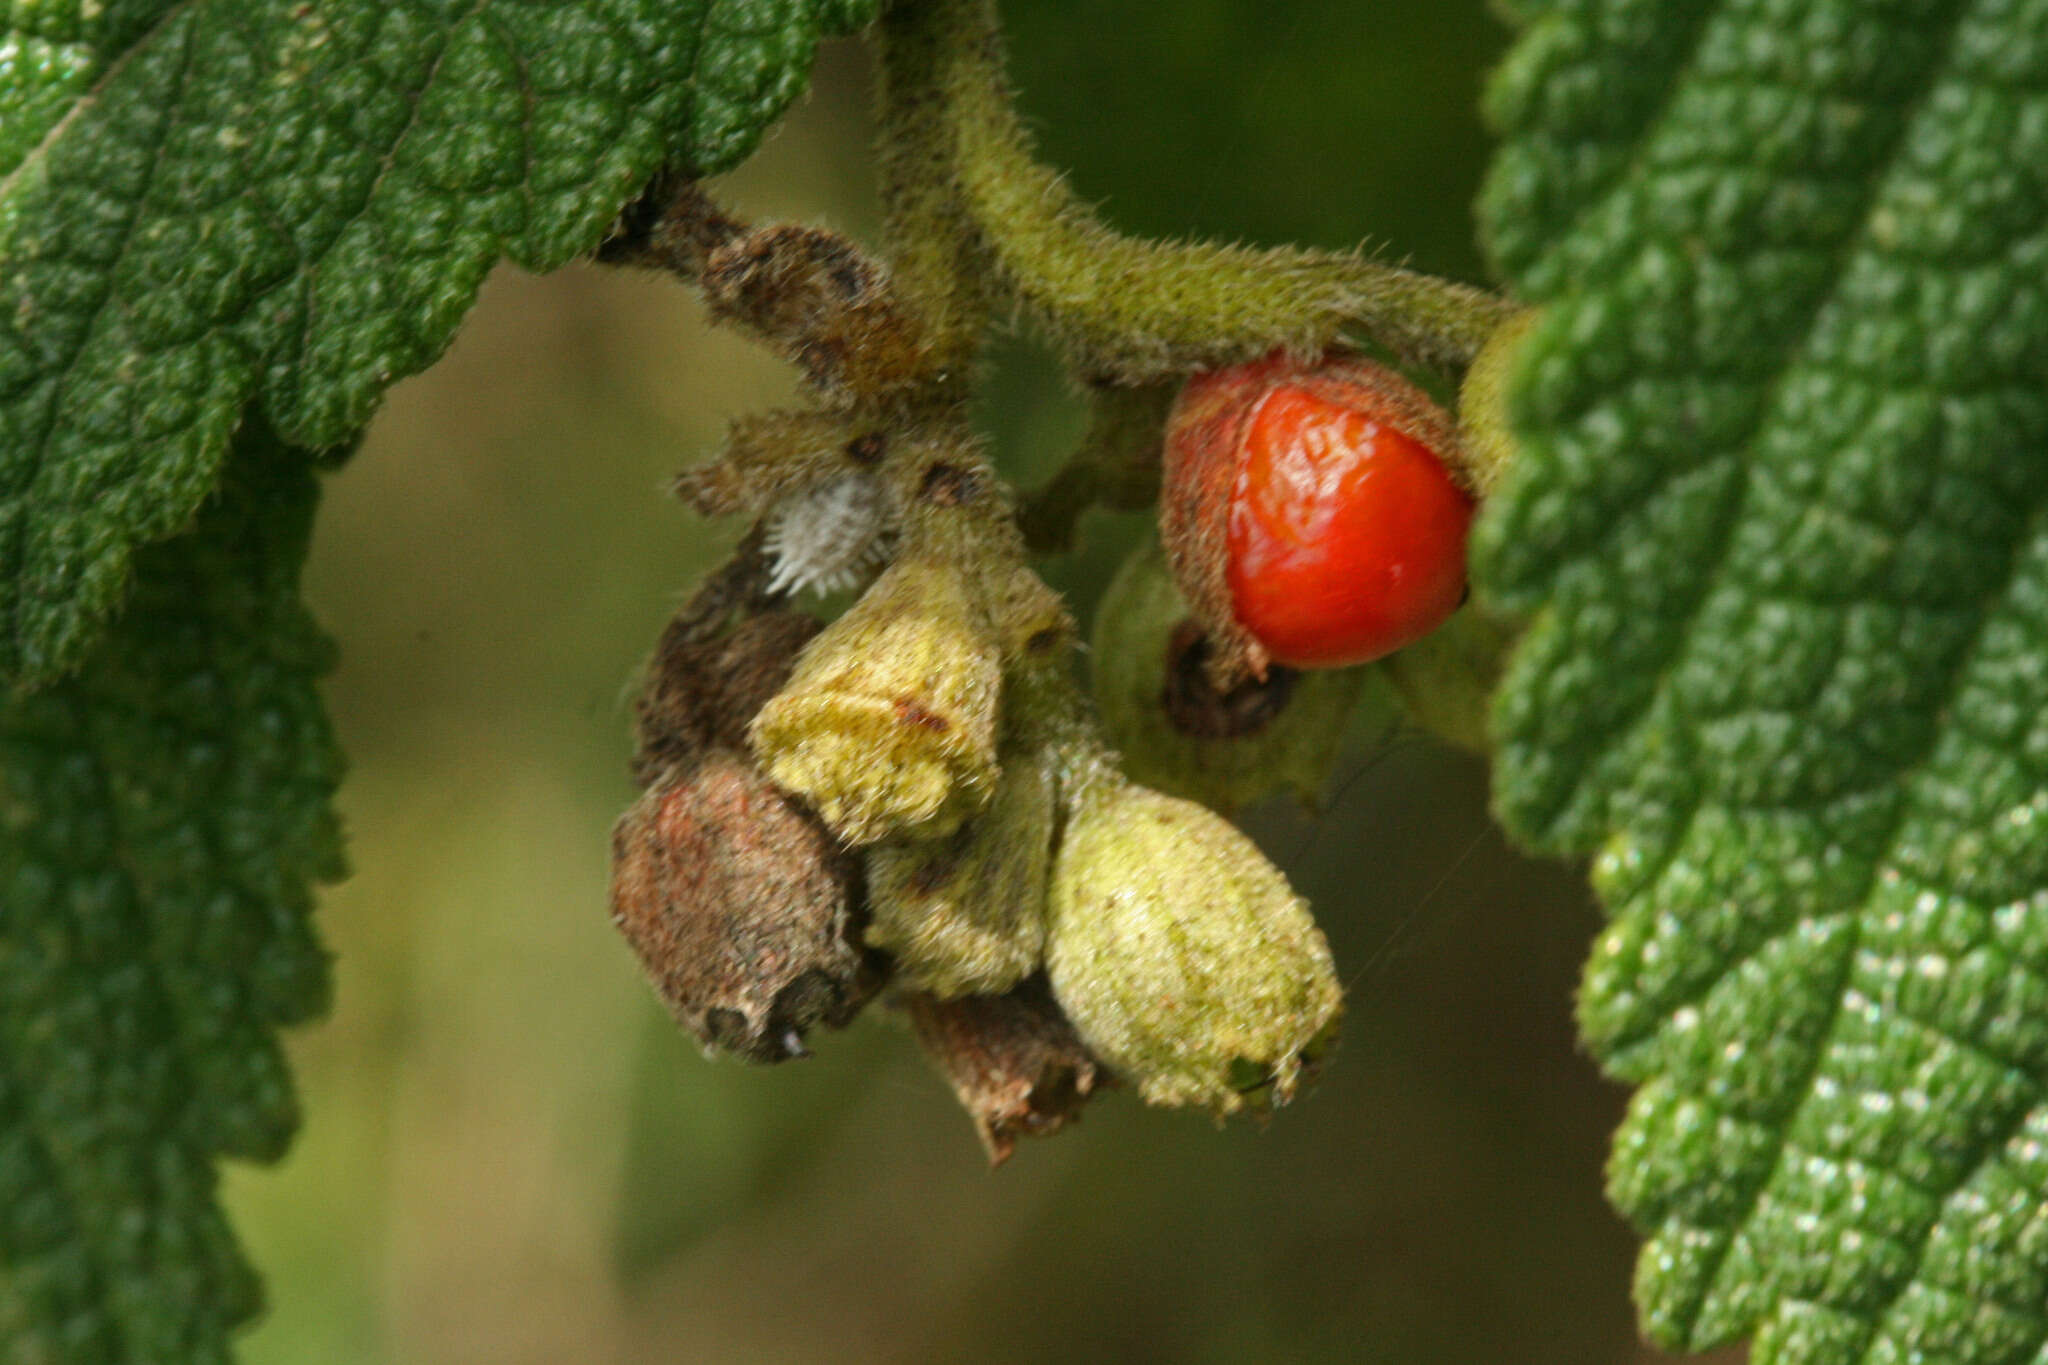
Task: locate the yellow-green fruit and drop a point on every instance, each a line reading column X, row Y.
column 887, row 726
column 1178, row 733
column 965, row 915
column 1181, row 955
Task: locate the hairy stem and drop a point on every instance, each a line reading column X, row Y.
column 1115, row 465
column 936, row 255
column 1123, row 306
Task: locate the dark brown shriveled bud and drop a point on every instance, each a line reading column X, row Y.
column 703, row 693
column 1015, row 1063
column 819, row 300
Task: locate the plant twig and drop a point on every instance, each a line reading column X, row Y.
column 1123, row 306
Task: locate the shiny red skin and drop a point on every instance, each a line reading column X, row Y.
column 1346, row 538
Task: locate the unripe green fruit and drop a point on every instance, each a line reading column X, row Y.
column 1183, row 958
column 1446, row 680
column 1176, row 731
column 965, row 915
column 1482, row 403
column 887, row 726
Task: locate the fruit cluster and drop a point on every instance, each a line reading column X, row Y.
column 914, row 796
column 829, row 809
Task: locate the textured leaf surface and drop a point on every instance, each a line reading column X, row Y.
column 210, row 200
column 163, row 815
column 1780, row 517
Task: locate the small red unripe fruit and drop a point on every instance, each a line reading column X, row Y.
column 1313, row 513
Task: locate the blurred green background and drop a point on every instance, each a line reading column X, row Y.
column 511, row 1156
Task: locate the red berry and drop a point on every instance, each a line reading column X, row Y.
column 1346, row 537
column 1312, row 513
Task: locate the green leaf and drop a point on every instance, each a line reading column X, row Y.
column 295, row 200
column 163, row 816
column 1782, row 515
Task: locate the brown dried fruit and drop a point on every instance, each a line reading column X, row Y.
column 741, row 907
column 1015, row 1063
column 702, row 693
